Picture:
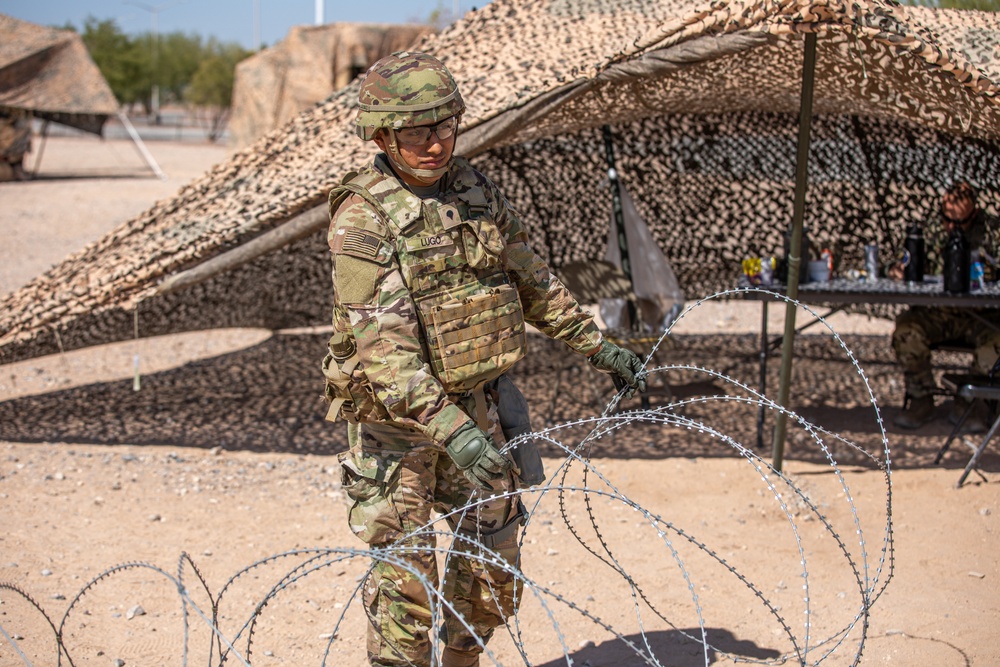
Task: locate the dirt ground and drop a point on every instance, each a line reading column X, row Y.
column 674, row 531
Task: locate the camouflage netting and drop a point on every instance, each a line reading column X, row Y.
column 49, row 73
column 274, row 85
column 703, row 101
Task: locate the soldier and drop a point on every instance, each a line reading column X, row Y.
column 434, row 280
column 918, row 328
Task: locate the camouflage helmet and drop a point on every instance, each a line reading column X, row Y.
column 406, row 89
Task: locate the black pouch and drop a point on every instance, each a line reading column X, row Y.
column 512, row 411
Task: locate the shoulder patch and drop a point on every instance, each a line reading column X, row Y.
column 361, row 244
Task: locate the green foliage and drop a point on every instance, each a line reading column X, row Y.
column 126, row 66
column 183, row 66
column 440, row 16
column 179, row 58
column 212, row 84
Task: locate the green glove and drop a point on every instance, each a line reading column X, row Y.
column 624, row 366
column 476, row 456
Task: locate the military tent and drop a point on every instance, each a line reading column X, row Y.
column 303, row 69
column 702, row 99
column 49, row 73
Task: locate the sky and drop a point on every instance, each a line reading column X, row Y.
column 239, row 21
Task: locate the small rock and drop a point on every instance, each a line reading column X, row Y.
column 977, row 575
column 46, row 573
column 137, row 610
column 155, row 517
column 206, row 552
column 58, row 596
column 327, row 635
column 117, row 486
column 129, row 457
column 985, row 511
column 551, row 552
column 269, row 653
column 118, row 662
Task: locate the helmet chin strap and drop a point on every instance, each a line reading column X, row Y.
column 425, row 176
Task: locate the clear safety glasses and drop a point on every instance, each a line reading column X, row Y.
column 418, row 136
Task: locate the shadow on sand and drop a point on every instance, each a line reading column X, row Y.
column 677, row 648
column 268, row 398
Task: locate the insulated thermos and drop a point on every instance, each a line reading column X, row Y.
column 913, row 270
column 956, row 263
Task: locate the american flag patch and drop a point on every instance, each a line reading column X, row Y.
column 363, row 244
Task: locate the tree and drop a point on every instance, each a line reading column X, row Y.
column 126, row 66
column 212, row 84
column 439, row 18
column 179, row 58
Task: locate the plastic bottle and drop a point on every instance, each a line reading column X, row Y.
column 956, row 263
column 976, row 272
column 915, row 250
column 871, row 262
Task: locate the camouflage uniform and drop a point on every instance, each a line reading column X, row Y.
column 407, row 273
column 920, row 327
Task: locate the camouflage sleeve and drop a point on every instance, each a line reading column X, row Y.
column 368, row 287
column 548, row 304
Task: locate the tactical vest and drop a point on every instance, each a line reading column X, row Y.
column 451, row 256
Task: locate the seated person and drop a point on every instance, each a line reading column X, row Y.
column 920, row 327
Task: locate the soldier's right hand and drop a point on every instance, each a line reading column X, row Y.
column 474, row 453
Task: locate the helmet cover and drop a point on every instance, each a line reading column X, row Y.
column 406, row 89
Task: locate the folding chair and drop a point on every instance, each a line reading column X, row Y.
column 974, row 388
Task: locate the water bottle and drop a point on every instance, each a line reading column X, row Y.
column 956, row 263
column 977, row 272
column 913, row 271
column 871, row 262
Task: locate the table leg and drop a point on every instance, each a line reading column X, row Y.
column 974, row 461
column 763, row 373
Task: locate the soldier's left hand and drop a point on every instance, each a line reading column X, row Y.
column 623, row 365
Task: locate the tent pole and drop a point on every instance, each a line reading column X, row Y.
column 801, row 180
column 41, row 148
column 137, row 140
column 616, row 209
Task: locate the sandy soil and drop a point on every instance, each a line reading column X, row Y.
column 94, row 531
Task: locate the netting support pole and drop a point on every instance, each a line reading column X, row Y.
column 141, row 147
column 616, row 209
column 798, row 214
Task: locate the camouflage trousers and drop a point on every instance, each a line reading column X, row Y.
column 394, row 482
column 918, row 328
